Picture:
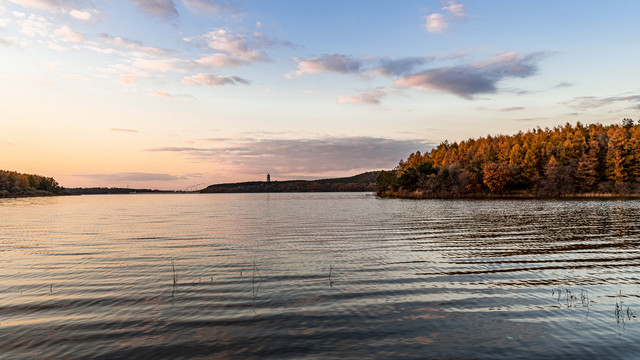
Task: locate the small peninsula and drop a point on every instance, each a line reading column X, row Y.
column 566, row 161
column 15, row 184
column 357, row 183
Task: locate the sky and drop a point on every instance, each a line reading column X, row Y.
column 181, row 94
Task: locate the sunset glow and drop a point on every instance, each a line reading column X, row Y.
column 173, row 93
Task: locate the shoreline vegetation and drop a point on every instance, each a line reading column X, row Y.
column 15, row 184
column 566, row 162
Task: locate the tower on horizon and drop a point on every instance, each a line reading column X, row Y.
column 268, row 177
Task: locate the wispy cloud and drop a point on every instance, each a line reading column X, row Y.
column 67, row 34
column 45, row 5
column 401, row 66
column 137, row 47
column 337, row 63
column 232, row 49
column 131, row 176
column 306, row 156
column 166, row 95
column 536, row 119
column 214, row 80
column 36, row 25
column 438, row 22
column 366, row 66
column 479, row 78
column 371, row 97
column 592, row 102
column 456, row 9
column 164, row 8
column 127, row 74
column 124, row 130
column 210, row 6
column 563, row 84
column 84, row 15
column 513, row 108
column 157, row 65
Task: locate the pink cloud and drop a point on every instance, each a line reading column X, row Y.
column 67, row 34
column 371, row 97
column 214, row 80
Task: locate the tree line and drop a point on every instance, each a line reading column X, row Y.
column 565, row 160
column 16, row 184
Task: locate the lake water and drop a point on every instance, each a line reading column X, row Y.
column 329, row 275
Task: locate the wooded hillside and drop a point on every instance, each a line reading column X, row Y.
column 551, row 162
column 360, row 182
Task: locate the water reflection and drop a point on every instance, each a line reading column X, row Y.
column 317, row 275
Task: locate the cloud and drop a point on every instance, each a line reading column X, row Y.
column 83, row 15
column 306, row 156
column 67, row 34
column 455, row 9
column 157, row 66
column 337, row 63
column 164, row 8
column 514, row 108
column 136, row 46
column 536, row 119
column 371, row 97
column 6, row 42
column 233, row 49
column 131, row 176
column 4, row 22
column 563, row 85
column 209, row 6
column 368, row 66
column 127, row 74
column 165, row 95
column 480, row 78
column 46, row 5
column 124, row 130
column 36, row 25
column 592, row 102
column 219, row 60
column 402, row 66
column 436, row 23
column 214, row 80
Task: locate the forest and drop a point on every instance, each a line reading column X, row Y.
column 16, row 184
column 580, row 160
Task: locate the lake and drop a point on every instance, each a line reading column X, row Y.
column 318, row 275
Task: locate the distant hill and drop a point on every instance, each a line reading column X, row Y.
column 357, row 183
column 15, row 184
column 115, row 190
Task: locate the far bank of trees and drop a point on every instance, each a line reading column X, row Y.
column 16, row 184
column 564, row 160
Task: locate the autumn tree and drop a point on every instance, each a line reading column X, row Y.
column 496, row 177
column 616, row 155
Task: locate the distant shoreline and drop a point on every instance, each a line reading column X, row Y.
column 13, row 196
